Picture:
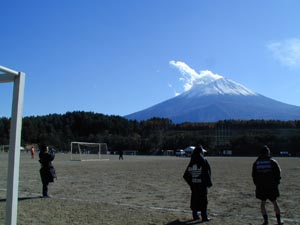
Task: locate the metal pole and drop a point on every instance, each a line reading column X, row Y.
column 14, row 149
column 9, row 71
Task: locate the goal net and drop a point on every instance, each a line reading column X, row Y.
column 86, row 151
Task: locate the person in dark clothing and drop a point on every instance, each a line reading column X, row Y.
column 120, row 154
column 198, row 177
column 266, row 177
column 47, row 170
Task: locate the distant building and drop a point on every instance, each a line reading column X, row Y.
column 169, row 152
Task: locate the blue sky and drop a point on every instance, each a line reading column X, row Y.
column 115, row 57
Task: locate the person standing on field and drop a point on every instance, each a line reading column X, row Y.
column 266, row 177
column 32, row 152
column 47, row 170
column 198, row 177
column 120, row 154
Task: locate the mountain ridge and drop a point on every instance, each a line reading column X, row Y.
column 217, row 98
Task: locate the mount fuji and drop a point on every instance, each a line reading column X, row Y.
column 212, row 98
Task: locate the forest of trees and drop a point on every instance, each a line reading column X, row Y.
column 156, row 134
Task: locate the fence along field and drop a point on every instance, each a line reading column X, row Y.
column 143, row 190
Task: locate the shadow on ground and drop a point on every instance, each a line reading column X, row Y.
column 22, row 199
column 187, row 222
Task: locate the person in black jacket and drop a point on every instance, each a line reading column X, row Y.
column 120, row 154
column 266, row 177
column 198, row 177
column 47, row 170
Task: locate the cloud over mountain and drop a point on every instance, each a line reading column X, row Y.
column 190, row 77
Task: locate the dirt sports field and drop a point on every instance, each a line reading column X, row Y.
column 144, row 190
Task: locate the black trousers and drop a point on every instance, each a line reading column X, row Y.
column 45, row 177
column 199, row 202
column 45, row 188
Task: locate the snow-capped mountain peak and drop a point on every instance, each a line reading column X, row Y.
column 205, row 82
column 206, row 77
column 209, row 97
column 213, row 84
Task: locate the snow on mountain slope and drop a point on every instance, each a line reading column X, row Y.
column 214, row 98
column 219, row 86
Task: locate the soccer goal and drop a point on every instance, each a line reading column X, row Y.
column 86, row 151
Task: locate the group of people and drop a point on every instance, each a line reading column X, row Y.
column 265, row 174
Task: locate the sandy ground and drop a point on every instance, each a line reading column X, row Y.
column 144, row 190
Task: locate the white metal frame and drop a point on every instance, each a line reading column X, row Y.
column 87, row 143
column 8, row 75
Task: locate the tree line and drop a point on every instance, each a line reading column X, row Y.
column 156, row 134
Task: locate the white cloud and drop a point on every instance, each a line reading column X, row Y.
column 287, row 52
column 190, row 76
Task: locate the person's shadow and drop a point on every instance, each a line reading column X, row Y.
column 187, row 222
column 21, row 199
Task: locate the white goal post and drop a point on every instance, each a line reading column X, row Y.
column 18, row 78
column 87, row 151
